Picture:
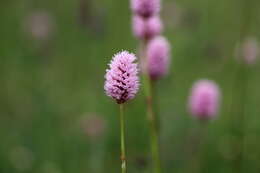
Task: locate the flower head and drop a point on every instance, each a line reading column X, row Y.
column 158, row 52
column 146, row 28
column 40, row 25
column 250, row 50
column 204, row 99
column 145, row 8
column 93, row 126
column 122, row 82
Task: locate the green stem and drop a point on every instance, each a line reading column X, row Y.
column 151, row 115
column 241, row 83
column 156, row 105
column 122, row 137
column 239, row 114
column 196, row 144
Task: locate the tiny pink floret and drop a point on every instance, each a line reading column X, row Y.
column 204, row 99
column 122, row 81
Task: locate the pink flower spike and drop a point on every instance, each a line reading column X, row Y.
column 40, row 25
column 93, row 126
column 158, row 53
column 146, row 28
column 204, row 99
column 145, row 8
column 250, row 50
column 122, row 82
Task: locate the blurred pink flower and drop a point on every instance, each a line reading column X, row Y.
column 122, row 82
column 204, row 99
column 40, row 25
column 250, row 50
column 94, row 126
column 158, row 53
column 145, row 8
column 146, row 28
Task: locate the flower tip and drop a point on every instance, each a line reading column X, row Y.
column 146, row 28
column 145, row 8
column 250, row 50
column 204, row 99
column 158, row 57
column 121, row 79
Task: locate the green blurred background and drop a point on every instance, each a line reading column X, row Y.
column 55, row 117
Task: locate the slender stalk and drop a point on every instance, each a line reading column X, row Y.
column 122, row 137
column 155, row 105
column 239, row 115
column 241, row 83
column 154, row 139
column 195, row 145
column 153, row 133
